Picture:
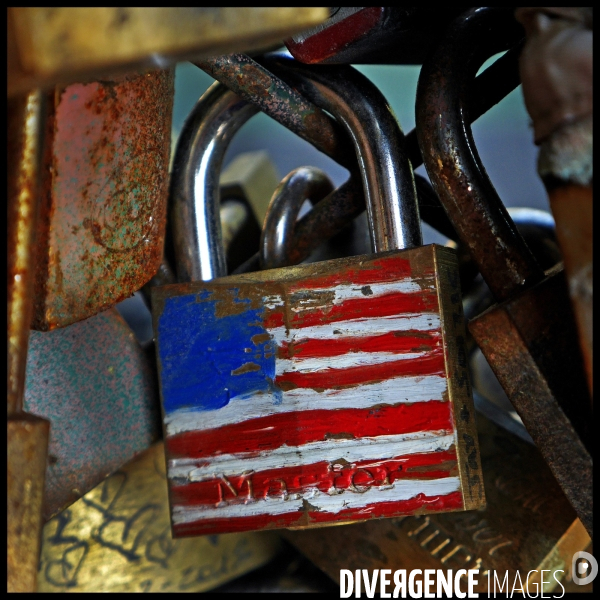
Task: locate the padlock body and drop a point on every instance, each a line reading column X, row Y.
column 321, row 394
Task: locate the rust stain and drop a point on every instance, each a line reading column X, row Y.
column 254, row 80
column 445, row 466
column 339, row 436
column 248, row 367
column 341, row 462
column 106, row 165
column 260, row 338
column 286, row 386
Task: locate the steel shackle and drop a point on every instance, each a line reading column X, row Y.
column 277, row 236
column 219, row 114
column 194, row 193
column 386, row 172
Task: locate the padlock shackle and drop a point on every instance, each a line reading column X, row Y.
column 387, row 176
column 194, row 194
column 363, row 111
column 450, row 155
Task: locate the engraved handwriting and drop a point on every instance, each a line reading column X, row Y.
column 225, row 484
column 432, row 537
column 277, row 488
column 518, row 489
column 63, row 571
column 335, row 478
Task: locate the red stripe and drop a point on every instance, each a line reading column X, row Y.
column 321, row 45
column 432, row 364
column 398, row 341
column 297, row 428
column 420, row 503
column 382, row 306
column 382, row 270
column 300, row 479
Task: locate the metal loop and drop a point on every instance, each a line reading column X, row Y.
column 453, row 164
column 194, row 199
column 219, row 114
column 386, row 172
column 277, row 237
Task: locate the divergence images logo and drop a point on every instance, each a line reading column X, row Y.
column 582, row 567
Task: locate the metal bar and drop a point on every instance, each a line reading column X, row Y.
column 481, row 220
column 27, row 436
column 378, row 141
column 255, row 84
column 488, row 89
column 194, row 206
column 277, row 236
column 26, row 118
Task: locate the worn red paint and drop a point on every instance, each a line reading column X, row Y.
column 320, row 46
column 276, row 483
column 378, row 271
column 390, row 304
column 387, row 342
column 338, row 382
column 383, row 509
column 427, row 365
column 273, row 431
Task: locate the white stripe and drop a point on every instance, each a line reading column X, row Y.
column 242, row 408
column 344, row 292
column 360, row 327
column 342, row 361
column 401, row 489
column 273, row 301
column 381, row 447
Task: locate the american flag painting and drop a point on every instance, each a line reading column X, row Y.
column 326, row 393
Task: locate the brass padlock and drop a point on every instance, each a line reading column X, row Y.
column 331, row 392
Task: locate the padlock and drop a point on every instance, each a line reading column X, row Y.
column 123, row 523
column 372, row 35
column 105, row 188
column 49, row 45
column 327, row 393
column 97, row 387
column 530, row 337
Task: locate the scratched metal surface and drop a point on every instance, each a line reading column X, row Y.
column 97, row 387
column 105, row 183
column 399, row 376
column 527, row 524
column 117, row 539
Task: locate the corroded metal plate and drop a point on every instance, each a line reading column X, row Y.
column 105, row 192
